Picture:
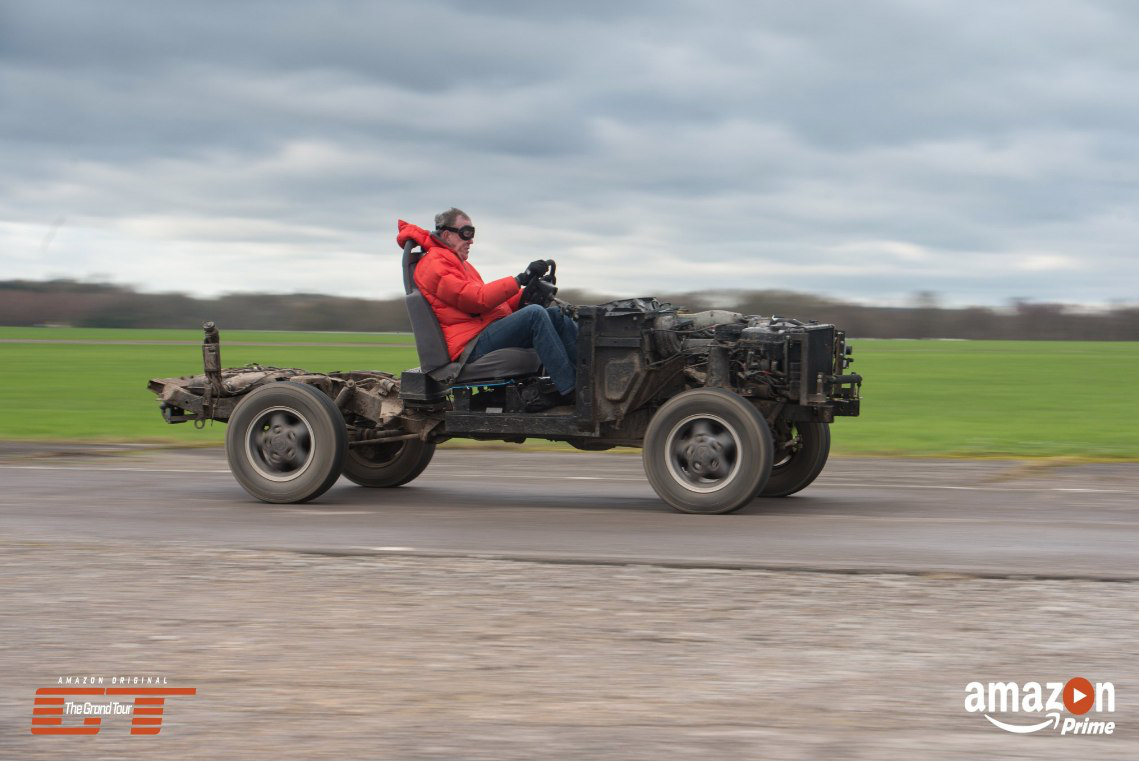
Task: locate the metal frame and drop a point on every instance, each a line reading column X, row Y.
column 625, row 372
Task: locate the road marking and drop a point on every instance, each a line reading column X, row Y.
column 1082, row 490
column 291, row 511
column 979, row 521
column 968, row 488
column 817, row 484
column 132, row 470
column 820, row 484
column 550, row 478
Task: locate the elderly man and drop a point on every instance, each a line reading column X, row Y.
column 491, row 314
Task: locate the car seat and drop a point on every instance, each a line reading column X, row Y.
column 434, row 359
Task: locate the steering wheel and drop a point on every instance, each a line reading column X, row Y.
column 541, row 290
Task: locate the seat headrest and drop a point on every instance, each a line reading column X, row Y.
column 410, row 259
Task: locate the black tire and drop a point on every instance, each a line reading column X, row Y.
column 387, row 465
column 794, row 470
column 707, row 451
column 286, row 442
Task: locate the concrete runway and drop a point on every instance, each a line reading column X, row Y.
column 984, row 518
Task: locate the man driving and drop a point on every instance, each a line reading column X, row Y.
column 491, row 314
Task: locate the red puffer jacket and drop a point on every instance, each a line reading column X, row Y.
column 456, row 292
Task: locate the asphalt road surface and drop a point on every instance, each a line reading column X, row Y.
column 985, row 518
column 520, row 605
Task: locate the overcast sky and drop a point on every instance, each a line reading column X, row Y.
column 867, row 150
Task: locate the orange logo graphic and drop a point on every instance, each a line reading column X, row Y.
column 1079, row 695
column 145, row 711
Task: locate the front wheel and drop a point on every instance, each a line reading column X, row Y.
column 387, row 465
column 801, row 452
column 707, row 451
column 285, row 443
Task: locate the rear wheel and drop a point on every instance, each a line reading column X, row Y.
column 285, row 442
column 387, row 465
column 707, row 451
column 800, row 454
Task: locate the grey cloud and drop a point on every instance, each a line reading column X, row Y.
column 864, row 150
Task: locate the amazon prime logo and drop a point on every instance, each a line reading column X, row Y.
column 1032, row 707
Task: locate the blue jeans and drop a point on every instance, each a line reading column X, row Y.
column 547, row 330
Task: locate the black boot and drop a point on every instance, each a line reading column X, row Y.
column 537, row 402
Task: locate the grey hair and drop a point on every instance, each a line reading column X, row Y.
column 447, row 218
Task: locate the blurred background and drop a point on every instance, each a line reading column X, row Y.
column 865, row 153
column 903, row 172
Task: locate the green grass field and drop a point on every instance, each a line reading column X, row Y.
column 958, row 398
column 994, row 398
column 161, row 334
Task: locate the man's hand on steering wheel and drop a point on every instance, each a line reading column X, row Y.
column 540, row 288
column 537, row 268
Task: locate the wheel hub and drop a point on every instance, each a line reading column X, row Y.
column 702, row 453
column 279, row 444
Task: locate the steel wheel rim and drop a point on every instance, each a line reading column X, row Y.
column 796, row 440
column 703, row 453
column 279, row 444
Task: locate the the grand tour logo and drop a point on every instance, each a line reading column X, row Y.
column 78, row 705
column 1032, row 706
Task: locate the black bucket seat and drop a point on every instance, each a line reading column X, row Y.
column 434, row 359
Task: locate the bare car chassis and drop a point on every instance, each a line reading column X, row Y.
column 726, row 407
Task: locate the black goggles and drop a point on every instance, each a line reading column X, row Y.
column 466, row 232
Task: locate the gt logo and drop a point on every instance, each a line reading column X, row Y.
column 146, row 710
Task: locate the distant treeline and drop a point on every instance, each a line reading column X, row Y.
column 103, row 305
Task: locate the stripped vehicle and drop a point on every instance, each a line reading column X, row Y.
column 727, row 407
